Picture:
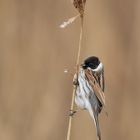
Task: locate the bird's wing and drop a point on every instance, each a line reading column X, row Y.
column 96, row 85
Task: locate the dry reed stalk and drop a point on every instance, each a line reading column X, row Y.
column 74, row 89
column 80, row 6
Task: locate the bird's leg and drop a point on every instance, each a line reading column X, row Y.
column 75, row 80
column 72, row 112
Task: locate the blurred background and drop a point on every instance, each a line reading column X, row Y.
column 35, row 94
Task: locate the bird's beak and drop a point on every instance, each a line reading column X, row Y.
column 83, row 65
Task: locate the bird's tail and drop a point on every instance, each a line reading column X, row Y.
column 97, row 126
column 94, row 115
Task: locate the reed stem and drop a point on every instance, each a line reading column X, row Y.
column 75, row 87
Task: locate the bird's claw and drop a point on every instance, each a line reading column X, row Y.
column 72, row 112
column 75, row 80
column 75, row 83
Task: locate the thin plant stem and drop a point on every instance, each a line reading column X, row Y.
column 80, row 44
column 70, row 117
column 75, row 87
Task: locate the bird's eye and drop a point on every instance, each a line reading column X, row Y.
column 91, row 65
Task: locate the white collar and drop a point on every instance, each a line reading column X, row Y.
column 98, row 69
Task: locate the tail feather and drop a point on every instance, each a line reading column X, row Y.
column 94, row 115
column 97, row 126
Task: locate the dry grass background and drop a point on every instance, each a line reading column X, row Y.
column 35, row 94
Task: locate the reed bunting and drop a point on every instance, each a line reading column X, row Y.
column 90, row 88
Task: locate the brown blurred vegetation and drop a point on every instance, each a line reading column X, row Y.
column 35, row 94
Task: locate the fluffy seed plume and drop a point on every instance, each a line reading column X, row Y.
column 80, row 6
column 69, row 21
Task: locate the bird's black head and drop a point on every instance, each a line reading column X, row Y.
column 91, row 62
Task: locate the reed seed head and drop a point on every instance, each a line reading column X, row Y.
column 79, row 5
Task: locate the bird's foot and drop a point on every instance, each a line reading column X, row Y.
column 75, row 83
column 72, row 112
column 75, row 80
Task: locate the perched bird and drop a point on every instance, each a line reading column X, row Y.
column 90, row 88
